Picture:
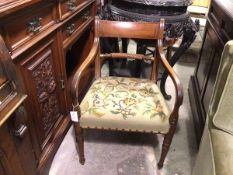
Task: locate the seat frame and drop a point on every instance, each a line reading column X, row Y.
column 138, row 30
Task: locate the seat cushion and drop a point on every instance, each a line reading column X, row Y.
column 223, row 151
column 125, row 104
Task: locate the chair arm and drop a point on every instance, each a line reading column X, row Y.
column 175, row 80
column 78, row 74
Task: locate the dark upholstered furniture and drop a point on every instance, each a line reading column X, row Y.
column 215, row 152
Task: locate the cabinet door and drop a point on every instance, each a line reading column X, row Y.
column 2, row 171
column 211, row 81
column 205, row 61
column 8, row 154
column 16, row 152
column 41, row 72
column 208, row 65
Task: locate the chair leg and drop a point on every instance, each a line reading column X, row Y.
column 166, row 144
column 80, row 142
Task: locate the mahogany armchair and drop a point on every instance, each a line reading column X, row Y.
column 126, row 104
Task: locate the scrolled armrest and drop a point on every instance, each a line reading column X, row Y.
column 78, row 74
column 175, row 80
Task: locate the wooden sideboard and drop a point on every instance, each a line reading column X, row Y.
column 218, row 31
column 47, row 41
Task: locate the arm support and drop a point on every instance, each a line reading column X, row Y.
column 175, row 80
column 78, row 74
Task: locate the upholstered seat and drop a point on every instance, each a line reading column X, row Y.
column 125, row 104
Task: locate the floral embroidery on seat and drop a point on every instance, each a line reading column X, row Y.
column 147, row 92
column 154, row 110
column 97, row 108
column 125, row 97
column 124, row 107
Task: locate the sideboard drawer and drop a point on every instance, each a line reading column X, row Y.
column 22, row 27
column 74, row 26
column 67, row 7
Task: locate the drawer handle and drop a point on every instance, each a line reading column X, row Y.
column 71, row 4
column 86, row 16
column 18, row 120
column 70, row 29
column 62, row 84
column 34, row 25
column 21, row 131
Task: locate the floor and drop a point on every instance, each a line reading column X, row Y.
column 120, row 153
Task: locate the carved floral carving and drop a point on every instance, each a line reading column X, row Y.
column 45, row 89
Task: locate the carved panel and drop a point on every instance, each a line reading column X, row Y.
column 40, row 76
column 45, row 84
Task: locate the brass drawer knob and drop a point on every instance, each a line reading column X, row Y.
column 70, row 29
column 34, row 25
column 71, row 4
